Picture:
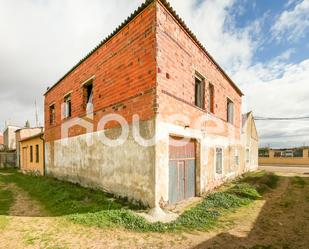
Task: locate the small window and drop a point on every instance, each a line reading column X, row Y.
column 236, row 157
column 247, row 155
column 88, row 93
column 68, row 106
column 52, row 115
column 31, row 153
column 230, row 111
column 211, row 92
column 219, row 161
column 199, row 92
column 37, row 153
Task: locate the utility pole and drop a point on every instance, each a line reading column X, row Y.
column 36, row 115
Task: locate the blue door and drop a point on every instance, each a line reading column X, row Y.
column 181, row 172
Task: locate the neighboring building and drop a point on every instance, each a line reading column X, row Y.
column 250, row 140
column 294, row 156
column 32, row 154
column 1, row 142
column 152, row 66
column 9, row 137
column 22, row 134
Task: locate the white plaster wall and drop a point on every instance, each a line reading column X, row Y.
column 126, row 170
column 207, row 179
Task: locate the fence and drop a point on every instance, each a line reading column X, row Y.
column 7, row 159
column 296, row 158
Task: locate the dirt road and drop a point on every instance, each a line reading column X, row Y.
column 280, row 220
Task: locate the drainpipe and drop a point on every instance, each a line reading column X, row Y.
column 42, row 138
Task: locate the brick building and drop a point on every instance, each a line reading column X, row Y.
column 154, row 67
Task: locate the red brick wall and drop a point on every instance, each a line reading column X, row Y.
column 179, row 58
column 147, row 68
column 125, row 77
column 1, row 139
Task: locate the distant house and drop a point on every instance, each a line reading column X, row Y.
column 10, row 138
column 153, row 67
column 1, row 142
column 250, row 140
column 32, row 154
column 22, row 134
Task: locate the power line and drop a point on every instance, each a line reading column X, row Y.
column 280, row 119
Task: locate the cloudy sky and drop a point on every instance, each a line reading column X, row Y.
column 263, row 45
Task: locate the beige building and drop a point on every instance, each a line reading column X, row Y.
column 22, row 134
column 250, row 140
column 32, row 154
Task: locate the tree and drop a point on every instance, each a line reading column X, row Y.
column 27, row 124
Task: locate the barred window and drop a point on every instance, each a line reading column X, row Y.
column 219, row 161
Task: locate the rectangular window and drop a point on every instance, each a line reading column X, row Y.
column 219, row 161
column 88, row 93
column 31, row 153
column 37, row 153
column 199, row 92
column 67, row 106
column 230, row 111
column 211, row 98
column 247, row 155
column 236, row 157
column 52, row 115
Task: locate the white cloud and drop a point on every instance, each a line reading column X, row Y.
column 292, row 24
column 233, row 48
column 41, row 40
column 278, row 89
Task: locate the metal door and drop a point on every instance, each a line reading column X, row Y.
column 181, row 171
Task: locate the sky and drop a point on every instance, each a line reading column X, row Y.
column 263, row 45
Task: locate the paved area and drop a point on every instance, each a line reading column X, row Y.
column 287, row 169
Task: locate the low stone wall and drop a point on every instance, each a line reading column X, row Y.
column 7, row 159
column 284, row 161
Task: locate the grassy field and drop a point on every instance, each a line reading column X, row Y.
column 95, row 208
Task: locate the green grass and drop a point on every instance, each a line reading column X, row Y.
column 261, row 181
column 6, row 200
column 298, row 182
column 63, row 198
column 95, row 208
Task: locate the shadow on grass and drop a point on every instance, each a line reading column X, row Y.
column 95, row 208
column 283, row 221
column 61, row 198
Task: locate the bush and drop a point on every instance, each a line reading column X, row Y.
column 245, row 190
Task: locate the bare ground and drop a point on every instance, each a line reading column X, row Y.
column 280, row 220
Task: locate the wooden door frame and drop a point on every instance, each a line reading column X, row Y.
column 196, row 163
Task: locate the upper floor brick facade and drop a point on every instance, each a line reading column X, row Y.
column 150, row 65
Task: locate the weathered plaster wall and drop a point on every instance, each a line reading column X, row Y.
column 206, row 177
column 126, row 170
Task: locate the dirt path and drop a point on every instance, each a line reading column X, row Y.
column 23, row 205
column 280, row 220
